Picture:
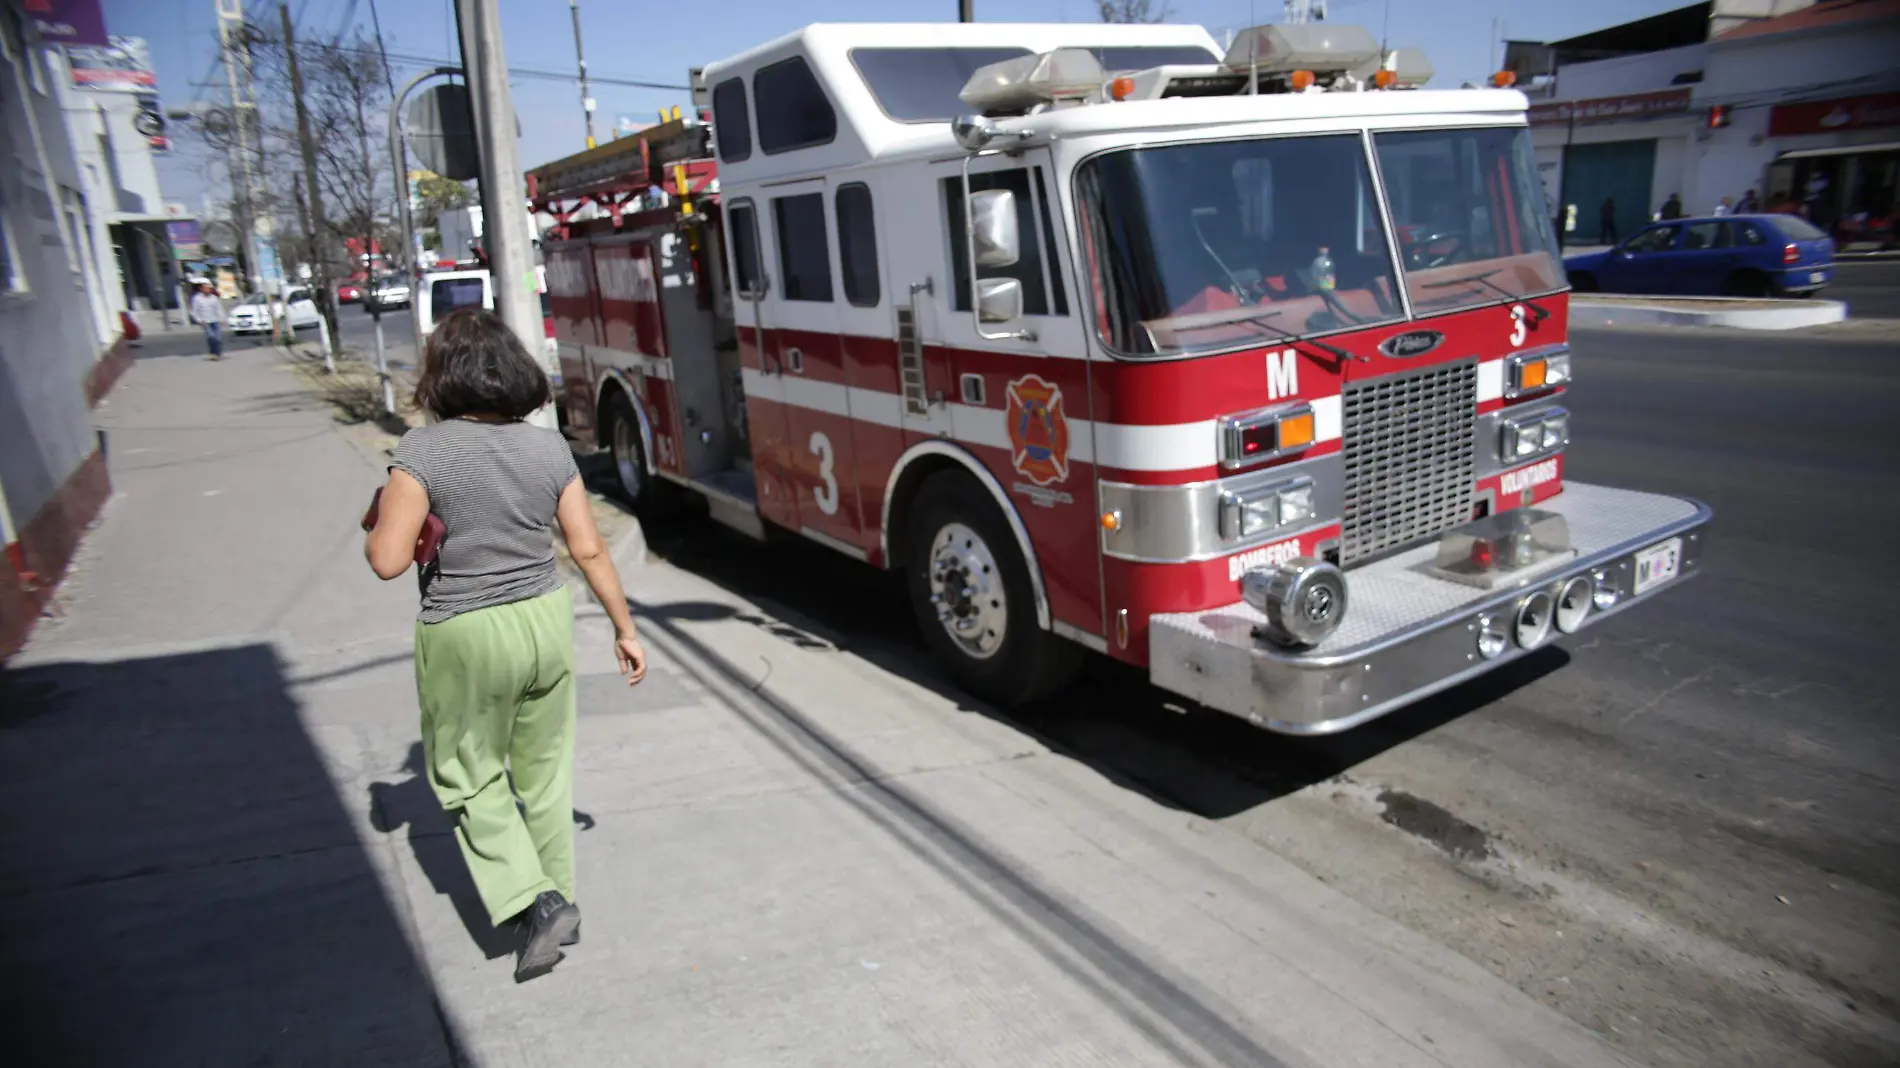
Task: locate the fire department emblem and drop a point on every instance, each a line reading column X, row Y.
column 1038, row 430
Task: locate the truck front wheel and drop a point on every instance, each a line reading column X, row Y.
column 970, row 587
column 646, row 492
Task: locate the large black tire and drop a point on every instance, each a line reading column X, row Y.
column 649, row 494
column 1583, row 282
column 983, row 627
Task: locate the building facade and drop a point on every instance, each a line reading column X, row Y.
column 1795, row 100
column 53, row 360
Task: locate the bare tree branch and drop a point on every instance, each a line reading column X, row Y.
column 1133, row 11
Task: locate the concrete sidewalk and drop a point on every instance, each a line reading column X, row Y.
column 220, row 849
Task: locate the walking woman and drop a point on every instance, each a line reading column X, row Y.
column 495, row 636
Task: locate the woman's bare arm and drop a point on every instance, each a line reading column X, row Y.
column 391, row 544
column 585, row 545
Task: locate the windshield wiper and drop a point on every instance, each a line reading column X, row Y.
column 1340, row 354
column 1484, row 279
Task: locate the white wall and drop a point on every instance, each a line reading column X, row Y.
column 1675, row 153
column 46, row 343
column 1628, row 74
column 1818, row 63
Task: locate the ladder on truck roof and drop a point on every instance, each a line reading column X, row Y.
column 674, row 156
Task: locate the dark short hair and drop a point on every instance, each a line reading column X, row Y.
column 474, row 364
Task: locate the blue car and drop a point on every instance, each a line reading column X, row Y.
column 1721, row 256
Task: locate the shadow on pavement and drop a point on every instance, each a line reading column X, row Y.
column 1184, row 756
column 412, row 804
column 182, row 882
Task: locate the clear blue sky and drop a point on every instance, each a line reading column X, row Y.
column 658, row 42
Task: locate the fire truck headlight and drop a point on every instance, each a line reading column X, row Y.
column 1557, row 370
column 1252, row 512
column 1522, row 441
column 1533, row 434
column 1296, row 505
column 1556, row 431
column 1259, row 516
column 1303, row 599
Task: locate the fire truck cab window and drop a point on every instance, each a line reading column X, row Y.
column 1205, row 247
column 793, row 110
column 732, row 125
column 804, row 258
column 857, row 244
column 1028, row 268
column 1470, row 216
column 744, row 224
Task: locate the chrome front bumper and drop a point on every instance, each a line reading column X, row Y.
column 1408, row 634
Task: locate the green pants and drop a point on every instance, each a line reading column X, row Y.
column 496, row 687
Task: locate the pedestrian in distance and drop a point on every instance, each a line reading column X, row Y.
column 1726, row 207
column 1606, row 222
column 1672, row 208
column 208, row 311
column 494, row 640
column 1749, row 204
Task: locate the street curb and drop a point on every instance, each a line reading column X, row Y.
column 629, row 550
column 1787, row 315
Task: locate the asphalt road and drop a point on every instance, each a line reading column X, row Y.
column 1676, row 828
column 1871, row 288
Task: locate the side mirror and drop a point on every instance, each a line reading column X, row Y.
column 993, row 228
column 999, row 300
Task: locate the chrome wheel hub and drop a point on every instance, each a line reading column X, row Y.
column 966, row 589
column 627, row 458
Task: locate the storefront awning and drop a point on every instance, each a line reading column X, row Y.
column 1844, row 150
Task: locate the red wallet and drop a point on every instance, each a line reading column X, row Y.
column 428, row 543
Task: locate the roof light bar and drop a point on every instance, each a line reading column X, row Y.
column 1026, row 81
column 1325, row 48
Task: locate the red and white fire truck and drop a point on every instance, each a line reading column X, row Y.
column 1246, row 365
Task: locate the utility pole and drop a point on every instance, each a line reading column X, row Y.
column 315, row 225
column 587, row 100
column 966, row 10
column 504, row 193
column 240, row 124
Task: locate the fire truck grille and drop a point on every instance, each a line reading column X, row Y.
column 1409, row 443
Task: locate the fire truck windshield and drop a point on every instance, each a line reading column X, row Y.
column 1196, row 246
column 1469, row 214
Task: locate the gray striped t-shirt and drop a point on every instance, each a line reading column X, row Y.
column 494, row 485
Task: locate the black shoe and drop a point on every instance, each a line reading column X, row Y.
column 546, row 925
column 575, row 938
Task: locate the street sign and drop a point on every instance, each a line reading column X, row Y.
column 68, row 22
column 187, row 239
column 441, row 131
column 123, row 66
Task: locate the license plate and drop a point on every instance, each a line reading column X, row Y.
column 1818, row 276
column 1658, row 564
